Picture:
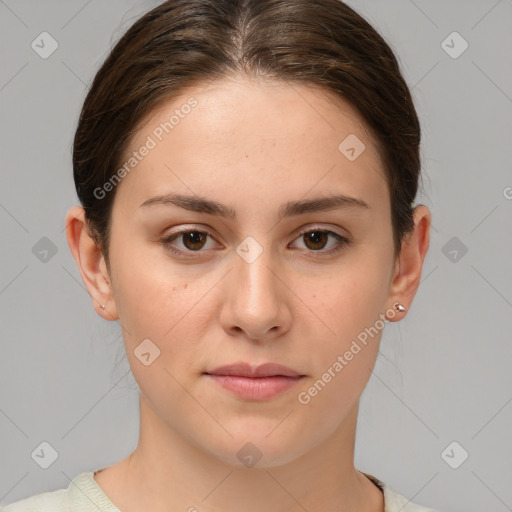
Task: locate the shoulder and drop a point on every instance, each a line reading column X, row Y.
column 83, row 494
column 56, row 501
column 395, row 502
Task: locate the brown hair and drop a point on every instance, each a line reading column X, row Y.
column 181, row 43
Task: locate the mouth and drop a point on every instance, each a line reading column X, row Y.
column 264, row 370
column 255, row 383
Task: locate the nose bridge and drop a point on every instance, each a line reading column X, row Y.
column 254, row 302
column 254, row 270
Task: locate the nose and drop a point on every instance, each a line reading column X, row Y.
column 257, row 299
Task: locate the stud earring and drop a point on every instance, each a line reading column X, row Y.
column 103, row 306
column 399, row 307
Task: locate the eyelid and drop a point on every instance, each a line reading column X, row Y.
column 318, row 227
column 185, row 228
column 305, row 229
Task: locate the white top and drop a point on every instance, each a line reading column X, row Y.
column 85, row 495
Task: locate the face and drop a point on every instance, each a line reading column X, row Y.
column 248, row 278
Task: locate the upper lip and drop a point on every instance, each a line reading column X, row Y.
column 247, row 370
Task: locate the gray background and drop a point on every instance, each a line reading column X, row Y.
column 444, row 371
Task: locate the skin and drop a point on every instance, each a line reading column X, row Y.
column 251, row 145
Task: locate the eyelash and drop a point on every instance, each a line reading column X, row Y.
column 343, row 241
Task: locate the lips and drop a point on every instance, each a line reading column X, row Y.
column 264, row 370
column 251, row 383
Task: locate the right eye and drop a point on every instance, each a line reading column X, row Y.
column 193, row 241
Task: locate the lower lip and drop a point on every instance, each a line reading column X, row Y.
column 261, row 388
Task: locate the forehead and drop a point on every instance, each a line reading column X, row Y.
column 255, row 134
column 257, row 107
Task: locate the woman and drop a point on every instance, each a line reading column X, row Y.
column 247, row 173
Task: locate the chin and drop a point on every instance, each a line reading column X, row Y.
column 254, row 448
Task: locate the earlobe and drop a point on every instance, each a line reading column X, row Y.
column 410, row 260
column 91, row 263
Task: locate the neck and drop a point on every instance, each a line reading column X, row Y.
column 167, row 472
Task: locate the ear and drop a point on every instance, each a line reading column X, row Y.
column 409, row 263
column 91, row 263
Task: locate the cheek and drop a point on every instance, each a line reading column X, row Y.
column 169, row 306
column 348, row 299
column 342, row 362
column 151, row 293
column 345, row 319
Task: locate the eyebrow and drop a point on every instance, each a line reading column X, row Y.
column 291, row 208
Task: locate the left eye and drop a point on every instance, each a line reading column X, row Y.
column 315, row 241
column 318, row 237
